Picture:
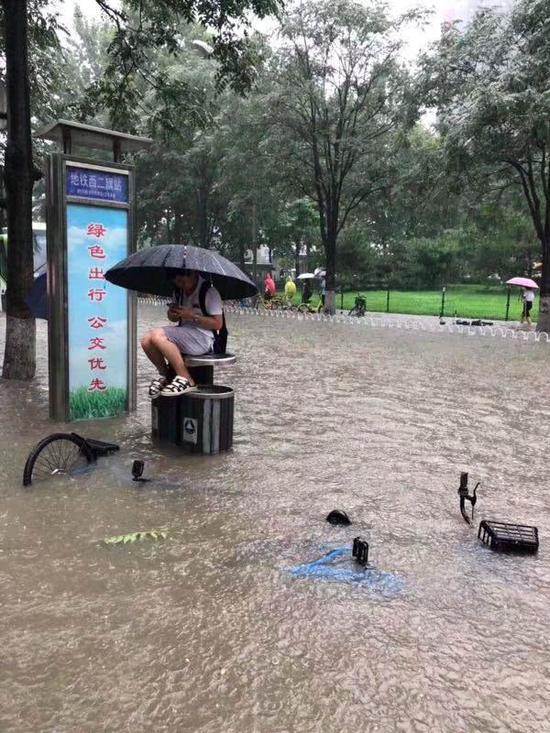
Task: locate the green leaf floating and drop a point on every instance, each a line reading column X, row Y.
column 126, row 539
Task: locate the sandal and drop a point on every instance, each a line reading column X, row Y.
column 156, row 386
column 177, row 387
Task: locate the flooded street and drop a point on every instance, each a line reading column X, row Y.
column 209, row 630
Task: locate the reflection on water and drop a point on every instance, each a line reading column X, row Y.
column 207, row 630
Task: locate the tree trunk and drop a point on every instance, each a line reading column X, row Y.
column 242, row 258
column 330, row 278
column 20, row 350
column 330, row 250
column 543, row 323
column 202, row 216
column 297, row 248
column 178, row 227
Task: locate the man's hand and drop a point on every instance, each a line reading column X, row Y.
column 186, row 314
column 173, row 313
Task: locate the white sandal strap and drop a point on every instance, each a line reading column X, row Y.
column 177, row 385
column 157, row 384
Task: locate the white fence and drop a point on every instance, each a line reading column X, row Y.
column 404, row 323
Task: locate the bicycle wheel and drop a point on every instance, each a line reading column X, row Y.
column 60, row 454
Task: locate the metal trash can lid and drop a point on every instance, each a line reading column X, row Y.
column 210, row 392
column 210, row 360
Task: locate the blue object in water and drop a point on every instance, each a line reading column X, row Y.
column 338, row 567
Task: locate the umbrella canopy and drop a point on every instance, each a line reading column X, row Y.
column 306, row 276
column 37, row 299
column 151, row 271
column 319, row 272
column 522, row 282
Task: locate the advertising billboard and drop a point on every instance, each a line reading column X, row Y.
column 97, row 238
column 92, row 323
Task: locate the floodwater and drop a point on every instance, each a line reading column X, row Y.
column 209, row 630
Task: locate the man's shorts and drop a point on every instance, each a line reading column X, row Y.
column 189, row 340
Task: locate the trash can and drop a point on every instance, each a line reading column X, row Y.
column 198, row 422
column 164, row 419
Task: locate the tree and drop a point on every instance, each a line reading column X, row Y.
column 490, row 83
column 341, row 97
column 19, row 360
column 140, row 26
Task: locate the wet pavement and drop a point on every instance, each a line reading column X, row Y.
column 210, row 630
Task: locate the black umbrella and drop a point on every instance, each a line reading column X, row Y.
column 37, row 299
column 151, row 271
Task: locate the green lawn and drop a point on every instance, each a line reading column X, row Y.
column 461, row 301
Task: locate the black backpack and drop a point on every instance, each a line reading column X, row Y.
column 220, row 337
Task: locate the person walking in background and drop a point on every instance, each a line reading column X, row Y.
column 269, row 286
column 290, row 288
column 528, row 300
column 306, row 292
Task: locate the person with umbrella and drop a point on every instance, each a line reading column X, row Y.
column 529, row 291
column 198, row 280
column 193, row 334
column 528, row 300
column 307, row 292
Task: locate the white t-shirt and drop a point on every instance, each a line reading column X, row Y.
column 213, row 304
column 529, row 296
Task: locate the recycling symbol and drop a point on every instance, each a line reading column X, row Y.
column 190, row 430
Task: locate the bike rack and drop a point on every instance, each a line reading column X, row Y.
column 507, row 537
column 498, row 536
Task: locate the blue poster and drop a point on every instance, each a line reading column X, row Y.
column 98, row 185
column 97, row 238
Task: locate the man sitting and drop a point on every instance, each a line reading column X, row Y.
column 194, row 334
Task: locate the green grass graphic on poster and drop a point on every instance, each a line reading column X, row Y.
column 97, row 238
column 86, row 405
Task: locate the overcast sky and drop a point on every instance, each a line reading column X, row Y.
column 443, row 10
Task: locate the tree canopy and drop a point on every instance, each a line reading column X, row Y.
column 490, row 83
column 312, row 142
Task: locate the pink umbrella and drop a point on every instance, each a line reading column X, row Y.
column 522, row 282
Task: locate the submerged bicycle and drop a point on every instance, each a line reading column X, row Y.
column 308, row 308
column 63, row 454
column 277, row 302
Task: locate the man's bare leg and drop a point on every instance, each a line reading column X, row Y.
column 172, row 354
column 154, row 355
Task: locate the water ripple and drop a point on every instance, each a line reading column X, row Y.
column 207, row 630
